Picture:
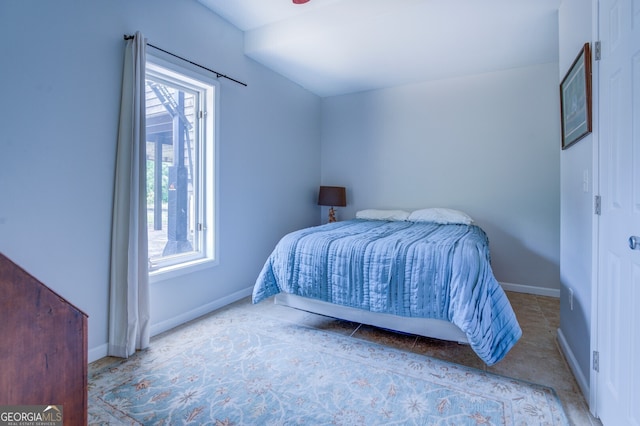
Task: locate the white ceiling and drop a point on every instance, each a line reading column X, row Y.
column 333, row 47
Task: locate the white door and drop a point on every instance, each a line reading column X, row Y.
column 618, row 303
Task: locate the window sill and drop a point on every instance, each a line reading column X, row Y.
column 186, row 268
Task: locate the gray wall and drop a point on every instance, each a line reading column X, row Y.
column 577, row 218
column 486, row 144
column 61, row 73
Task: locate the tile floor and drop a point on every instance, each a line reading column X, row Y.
column 535, row 358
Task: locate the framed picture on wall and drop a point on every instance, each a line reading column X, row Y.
column 575, row 99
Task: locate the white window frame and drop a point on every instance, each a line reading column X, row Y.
column 206, row 164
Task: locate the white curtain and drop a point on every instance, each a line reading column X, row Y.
column 129, row 286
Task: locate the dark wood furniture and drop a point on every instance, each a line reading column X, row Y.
column 43, row 346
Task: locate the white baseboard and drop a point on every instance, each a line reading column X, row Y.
column 98, row 353
column 529, row 289
column 583, row 383
column 102, row 350
column 198, row 312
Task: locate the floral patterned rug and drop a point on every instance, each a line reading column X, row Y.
column 241, row 368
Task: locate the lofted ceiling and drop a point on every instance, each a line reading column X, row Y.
column 334, row 47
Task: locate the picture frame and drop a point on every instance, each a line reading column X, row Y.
column 575, row 99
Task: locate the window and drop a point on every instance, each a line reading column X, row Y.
column 180, row 166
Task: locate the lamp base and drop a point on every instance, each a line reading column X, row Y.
column 332, row 215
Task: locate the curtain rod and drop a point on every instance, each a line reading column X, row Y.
column 129, row 37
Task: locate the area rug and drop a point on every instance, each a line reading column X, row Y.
column 243, row 368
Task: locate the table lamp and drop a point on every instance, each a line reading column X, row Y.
column 333, row 196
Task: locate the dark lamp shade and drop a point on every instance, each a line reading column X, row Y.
column 334, row 196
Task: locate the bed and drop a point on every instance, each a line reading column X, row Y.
column 426, row 273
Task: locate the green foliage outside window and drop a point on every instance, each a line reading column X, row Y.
column 151, row 182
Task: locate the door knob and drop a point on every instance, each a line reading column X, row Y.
column 634, row 242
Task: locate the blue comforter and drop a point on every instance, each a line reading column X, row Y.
column 411, row 269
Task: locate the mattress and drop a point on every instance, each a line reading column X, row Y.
column 403, row 268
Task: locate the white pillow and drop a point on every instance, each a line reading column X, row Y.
column 440, row 215
column 375, row 214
